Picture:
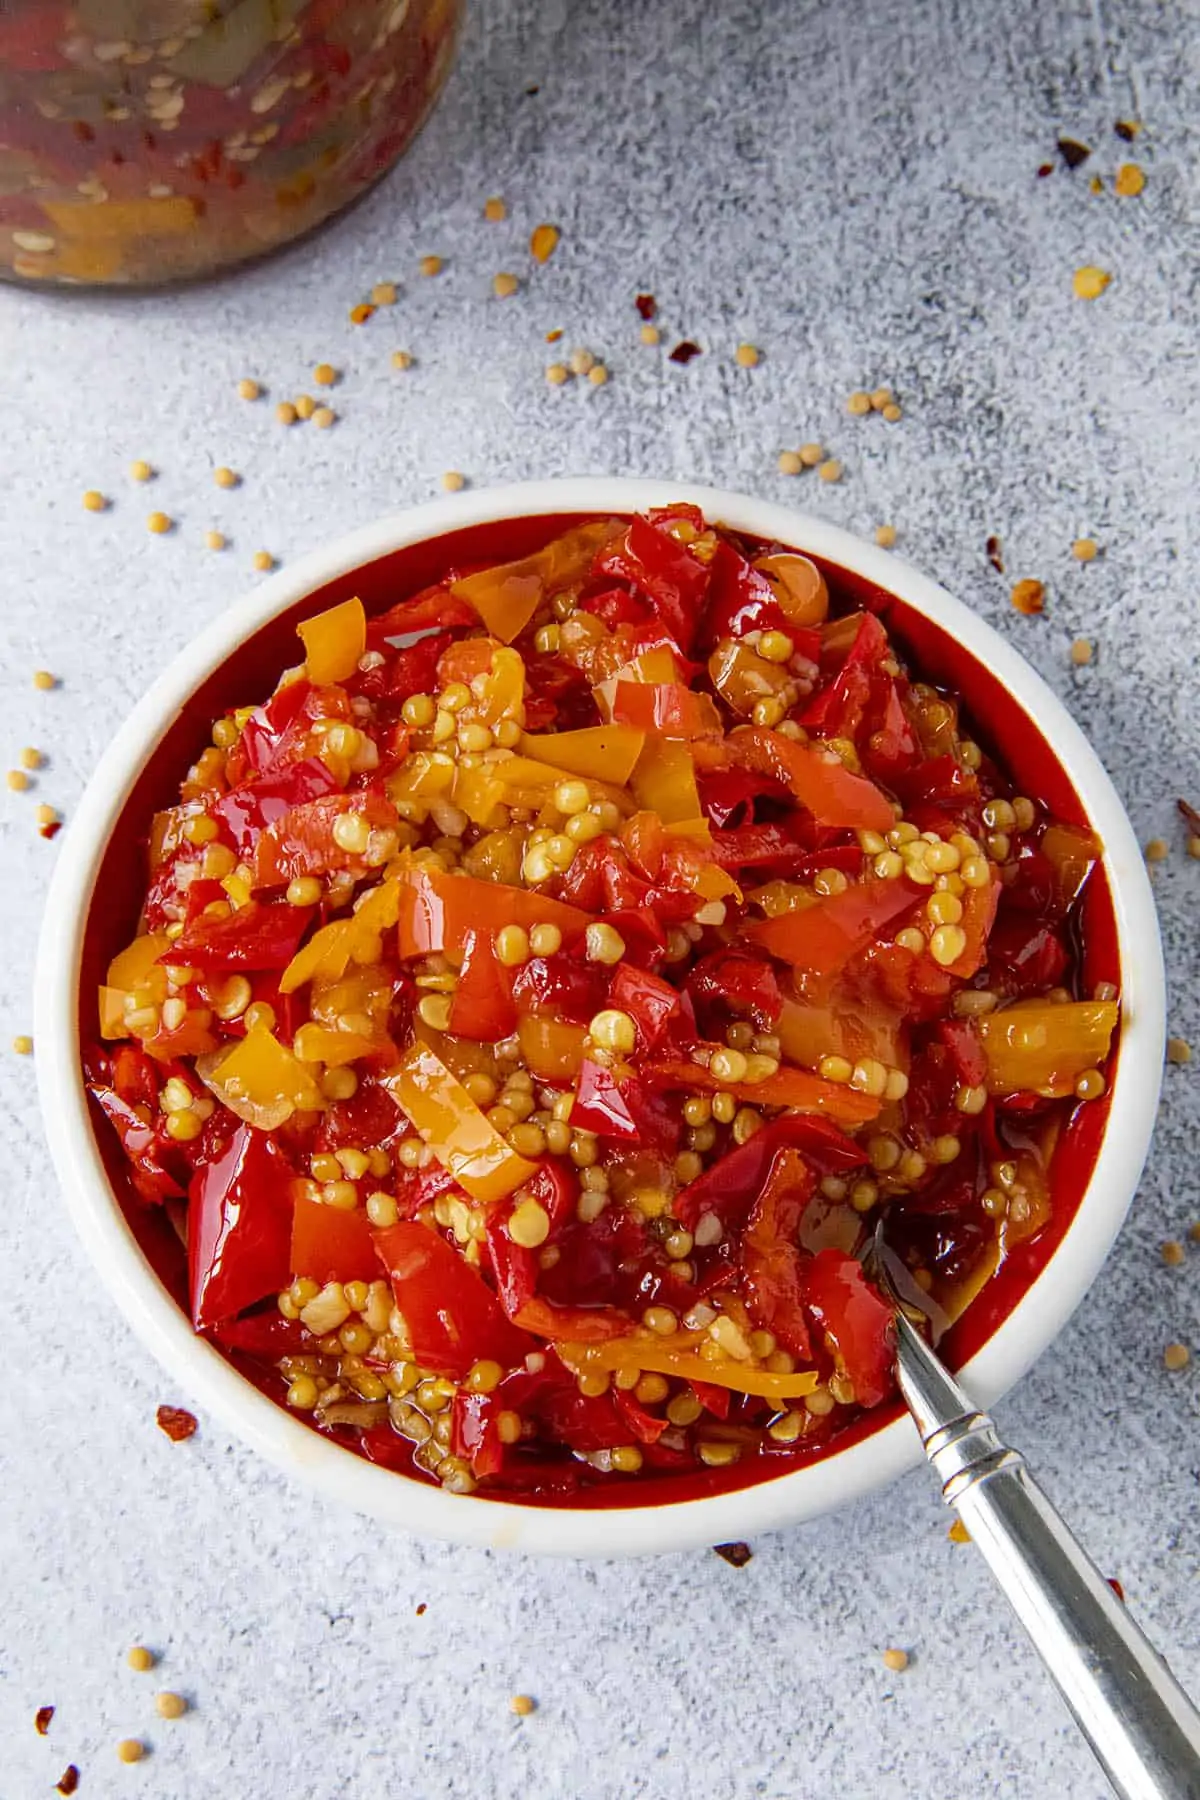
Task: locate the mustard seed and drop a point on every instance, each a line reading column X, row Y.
column 1176, row 1357
column 401, row 359
column 557, row 373
column 1090, row 282
column 141, row 471
column 891, row 412
column 1157, row 850
column 1082, row 652
column 789, row 462
column 896, row 1660
column 141, row 1659
column 159, row 523
column 453, row 481
column 504, row 285
column 810, row 455
column 494, row 209
column 746, row 356
column 306, row 406
column 522, row 1705
column 130, row 1750
column 226, row 478
column 216, row 540
column 263, row 560
column 1172, row 1253
column 31, row 758
column 431, row 265
column 286, row 413
column 650, row 334
column 324, row 417
column 383, row 293
column 94, row 501
column 858, row 403
column 17, row 780
column 597, row 375
column 831, row 470
column 170, row 1706
column 1084, row 550
column 43, row 680
column 325, row 375
column 22, row 1045
column 1179, row 1051
column 248, row 389
column 885, row 536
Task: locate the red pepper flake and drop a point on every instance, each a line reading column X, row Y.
column 1045, row 169
column 683, row 353
column 1073, row 153
column 360, row 314
column 51, row 829
column 1029, row 597
column 736, row 1555
column 176, row 1422
column 1116, row 1587
column 647, row 306
column 1127, row 129
column 41, row 1720
column 1190, row 816
column 993, row 554
column 68, row 1781
column 423, row 1608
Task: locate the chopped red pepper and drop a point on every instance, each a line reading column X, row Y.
column 453, row 1318
column 239, row 1227
column 858, row 1323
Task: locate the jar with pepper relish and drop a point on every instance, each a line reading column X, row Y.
column 147, row 141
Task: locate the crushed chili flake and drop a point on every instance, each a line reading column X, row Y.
column 176, row 1422
column 68, row 1781
column 958, row 1533
column 1072, row 152
column 1045, row 169
column 50, row 828
column 1029, row 597
column 684, row 352
column 1190, row 814
column 993, row 554
column 647, row 306
column 552, row 337
column 361, row 313
column 1116, row 1587
column 736, row 1555
column 41, row 1720
column 1127, row 129
column 1096, row 185
column 422, row 1608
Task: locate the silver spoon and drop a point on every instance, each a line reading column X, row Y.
column 1141, row 1725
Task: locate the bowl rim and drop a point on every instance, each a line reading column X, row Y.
column 424, row 1508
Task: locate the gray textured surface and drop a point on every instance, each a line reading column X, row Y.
column 853, row 189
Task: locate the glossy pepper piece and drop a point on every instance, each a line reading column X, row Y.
column 239, row 1227
column 1045, row 1047
column 507, row 596
column 333, row 641
column 453, row 1317
column 449, row 1122
column 329, row 1244
column 856, row 1320
column 437, row 910
column 252, row 937
column 821, row 939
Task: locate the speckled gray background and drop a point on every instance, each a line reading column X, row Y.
column 853, row 189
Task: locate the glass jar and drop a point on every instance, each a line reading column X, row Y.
column 146, row 141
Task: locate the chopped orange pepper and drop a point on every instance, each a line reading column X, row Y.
column 448, row 1120
column 333, row 642
column 507, row 596
column 112, row 1013
column 598, row 752
column 436, row 910
column 135, row 967
column 1045, row 1048
column 664, row 781
column 170, row 216
column 335, row 1048
column 503, row 687
column 552, row 1048
column 262, row 1079
column 679, row 1356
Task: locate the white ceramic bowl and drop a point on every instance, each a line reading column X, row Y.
column 551, row 1530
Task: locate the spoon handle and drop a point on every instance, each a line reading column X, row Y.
column 1141, row 1725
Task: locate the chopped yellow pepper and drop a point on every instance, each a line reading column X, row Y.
column 263, row 1075
column 598, row 752
column 664, row 781
column 448, row 1120
column 333, row 642
column 503, row 688
column 679, row 1356
column 506, row 597
column 1045, row 1048
column 138, row 966
column 329, row 951
column 169, row 216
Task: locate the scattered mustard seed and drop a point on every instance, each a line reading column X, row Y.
column 141, row 1659
column 557, row 373
column 597, row 374
column 1029, row 597
column 325, row 375
column 383, row 293
column 361, row 313
column 891, row 412
column 94, row 501
column 226, row 478
column 580, row 361
column 1172, row 1253
column 1194, row 1232
column 324, row 417
column 746, row 356
column 43, row 680
column 810, row 455
column 650, row 334
column 263, row 560
column 22, row 1045
column 431, row 265
column 1193, row 848
column 543, row 242
column 401, row 359
column 31, row 758
column 522, row 1705
column 306, row 406
column 1179, row 1051
column 286, row 413
column 1157, row 850
column 170, row 1706
column 130, row 1750
column 158, row 523
column 453, row 481
column 1089, row 282
column 248, row 389
column 216, row 540
column 830, row 470
column 17, row 780
column 1085, row 550
column 46, row 815
column 896, row 1660
column 495, row 209
column 789, row 462
column 1130, row 180
column 141, row 471
column 1176, row 1357
column 1082, row 652
column 881, row 397
column 504, row 285
column 885, row 536
column 858, row 403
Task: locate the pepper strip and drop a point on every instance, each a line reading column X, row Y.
column 676, row 1356
column 449, row 1122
